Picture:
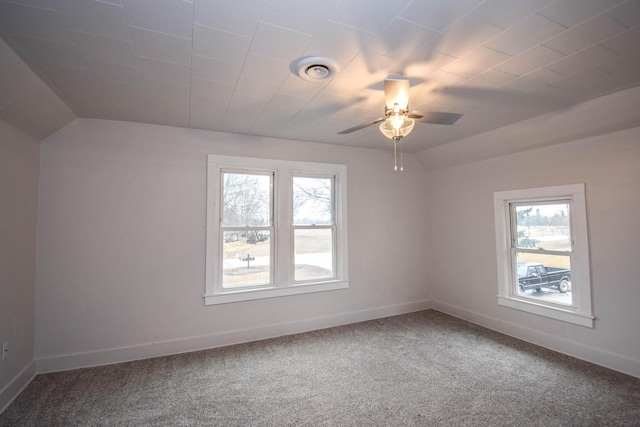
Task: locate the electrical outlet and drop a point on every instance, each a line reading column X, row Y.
column 5, row 350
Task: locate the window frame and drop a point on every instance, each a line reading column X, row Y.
column 282, row 238
column 580, row 312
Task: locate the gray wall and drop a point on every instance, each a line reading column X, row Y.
column 462, row 256
column 19, row 164
column 121, row 241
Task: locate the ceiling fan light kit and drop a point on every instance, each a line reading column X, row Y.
column 396, row 126
column 398, row 120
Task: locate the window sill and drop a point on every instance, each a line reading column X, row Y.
column 565, row 315
column 238, row 295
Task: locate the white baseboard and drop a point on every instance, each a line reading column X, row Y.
column 185, row 345
column 617, row 362
column 16, row 385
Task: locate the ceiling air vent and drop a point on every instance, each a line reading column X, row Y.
column 315, row 68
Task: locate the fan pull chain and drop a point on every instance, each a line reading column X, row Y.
column 395, row 157
column 401, row 167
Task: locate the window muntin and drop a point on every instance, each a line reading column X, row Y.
column 263, row 244
column 544, row 231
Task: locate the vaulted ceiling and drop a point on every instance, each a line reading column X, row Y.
column 226, row 65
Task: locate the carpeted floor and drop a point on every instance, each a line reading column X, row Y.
column 423, row 368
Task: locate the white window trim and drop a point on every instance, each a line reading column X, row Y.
column 284, row 284
column 580, row 313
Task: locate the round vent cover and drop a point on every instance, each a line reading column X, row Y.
column 315, row 68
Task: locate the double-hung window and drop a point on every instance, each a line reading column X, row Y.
column 246, row 215
column 314, row 228
column 543, row 253
column 274, row 228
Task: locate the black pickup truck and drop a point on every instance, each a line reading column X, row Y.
column 534, row 276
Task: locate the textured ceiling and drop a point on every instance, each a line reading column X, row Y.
column 225, row 65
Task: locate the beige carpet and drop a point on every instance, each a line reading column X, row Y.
column 423, row 368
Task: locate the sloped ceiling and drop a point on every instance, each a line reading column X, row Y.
column 25, row 101
column 225, row 65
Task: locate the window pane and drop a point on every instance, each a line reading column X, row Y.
column 544, row 277
column 246, row 199
column 247, row 259
column 544, row 226
column 313, row 254
column 312, row 200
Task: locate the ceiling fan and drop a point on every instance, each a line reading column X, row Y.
column 398, row 120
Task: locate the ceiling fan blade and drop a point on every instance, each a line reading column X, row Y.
column 362, row 126
column 435, row 117
column 396, row 91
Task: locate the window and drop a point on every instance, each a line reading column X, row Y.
column 314, row 228
column 274, row 228
column 246, row 226
column 543, row 253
